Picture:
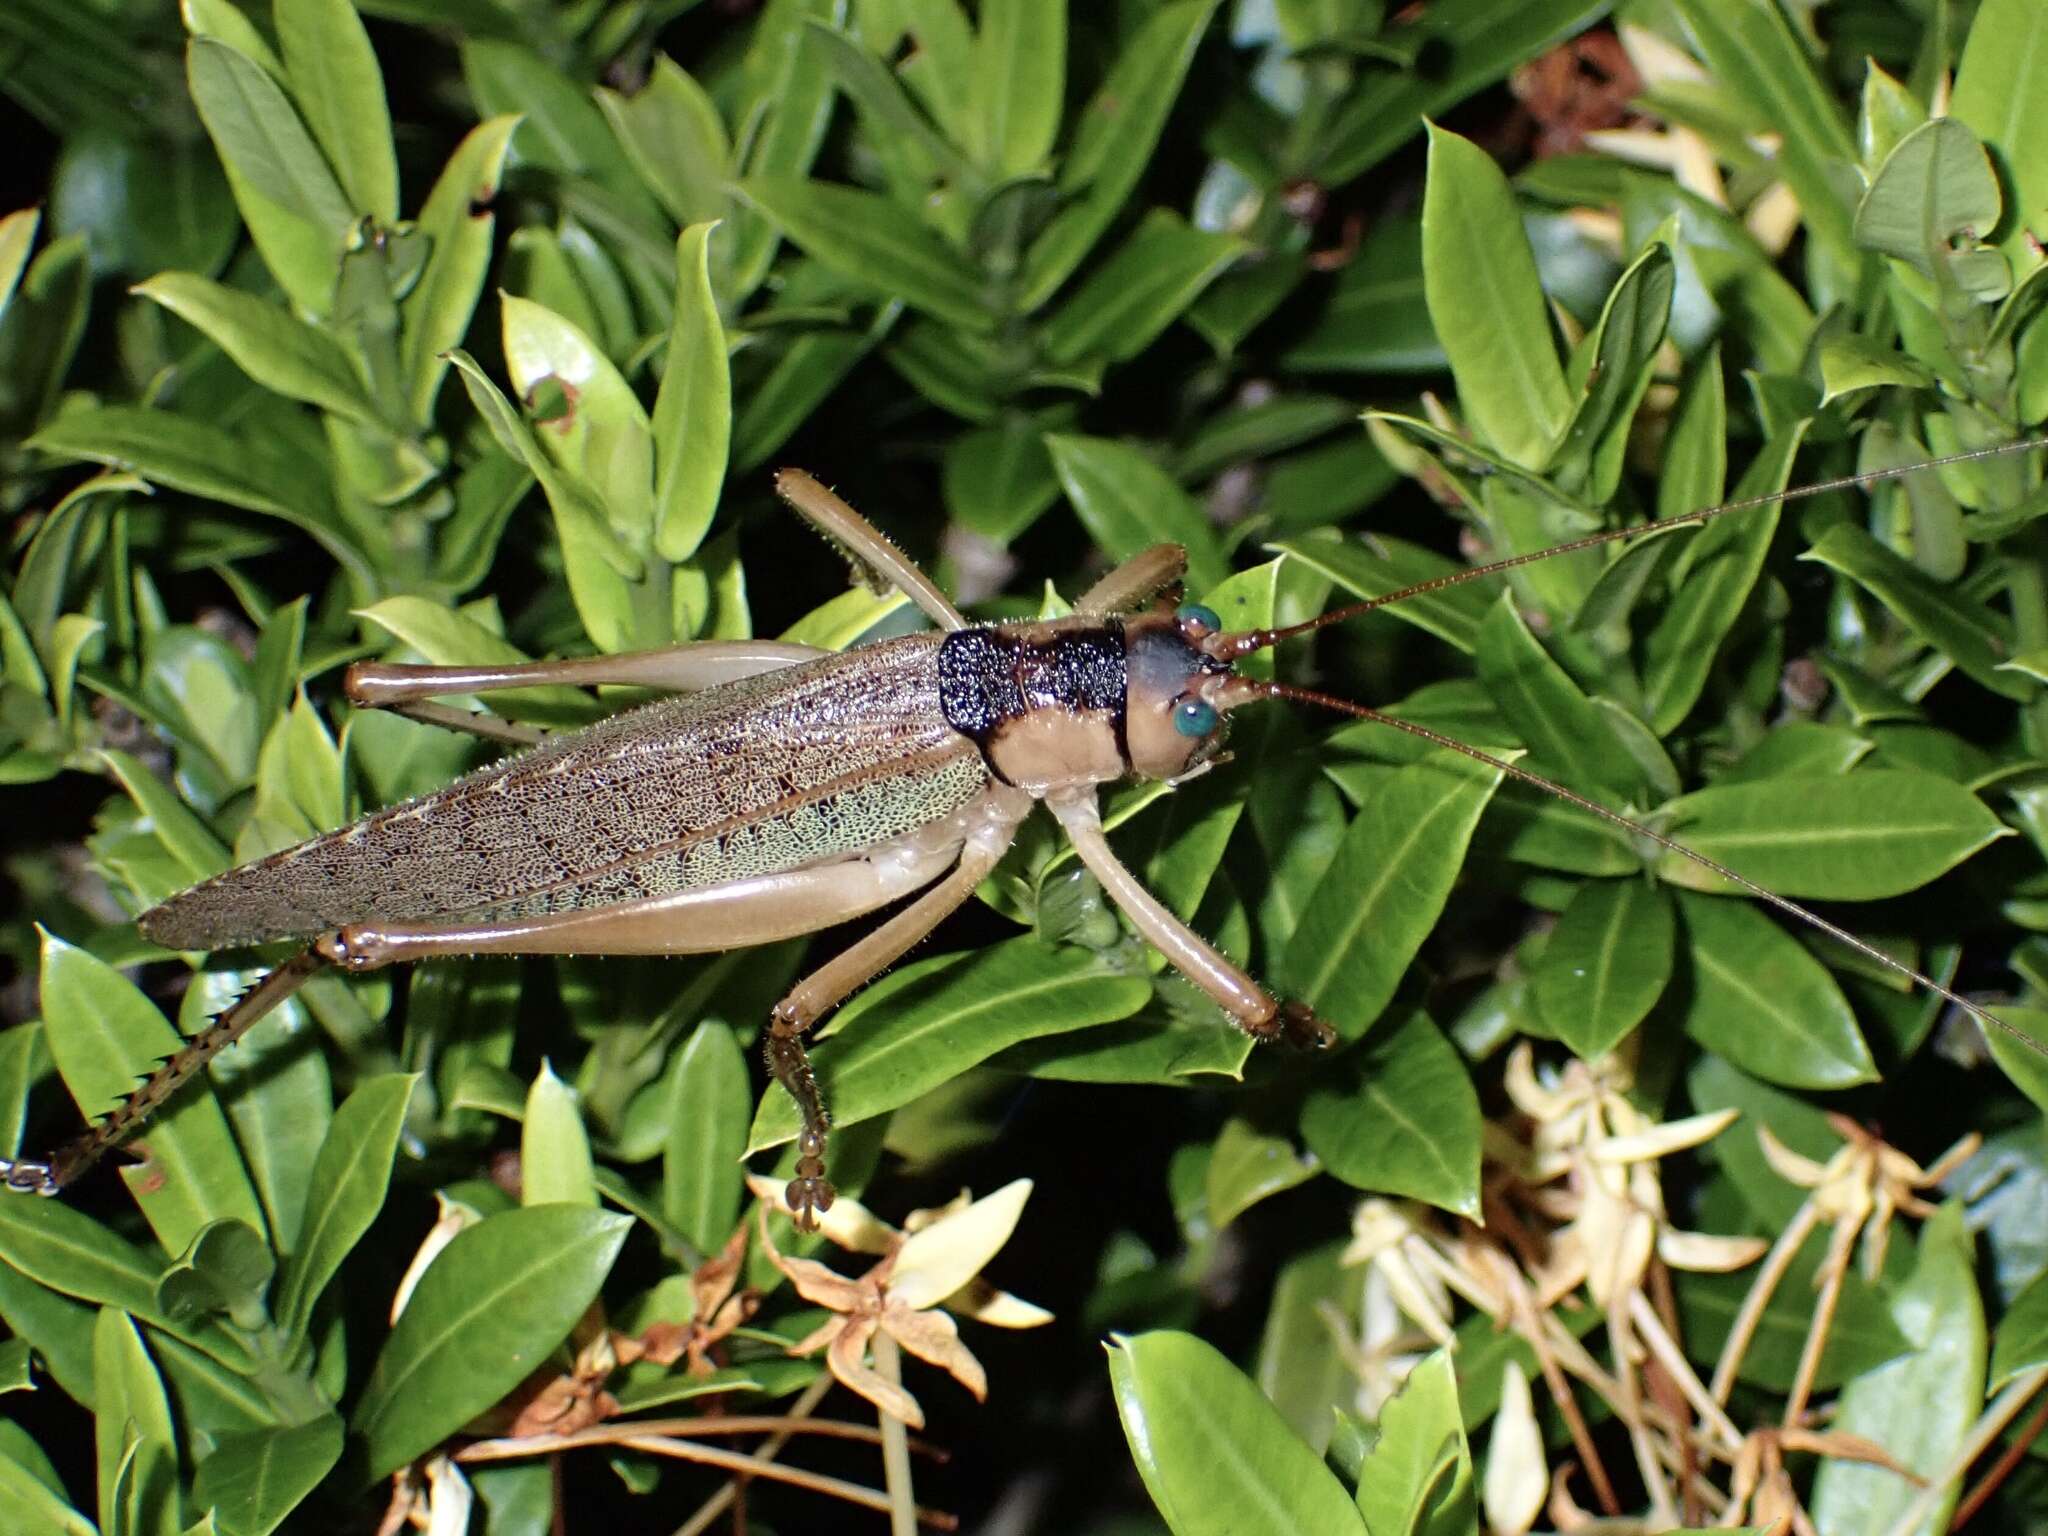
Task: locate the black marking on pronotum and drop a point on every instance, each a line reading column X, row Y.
column 987, row 679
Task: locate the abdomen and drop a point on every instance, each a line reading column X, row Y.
column 790, row 768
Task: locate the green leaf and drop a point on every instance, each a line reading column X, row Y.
column 600, row 568
column 865, row 237
column 2024, row 1060
column 490, row 1308
column 350, row 1177
column 1246, row 1166
column 275, row 349
column 600, row 436
column 1418, row 1477
column 1373, row 569
column 262, row 140
column 1605, row 964
column 335, row 79
column 554, row 1149
column 1019, row 86
column 458, row 221
column 1849, row 362
column 999, row 480
column 1215, row 1456
column 1128, row 503
column 1933, row 192
column 1141, row 289
column 1565, row 731
column 130, row 1409
column 787, row 88
column 1469, row 44
column 36, row 1509
column 671, row 131
column 1965, row 632
column 2022, row 1344
column 1399, row 1115
column 709, row 1094
column 1113, row 141
column 105, row 1036
column 207, row 460
column 253, row 1482
column 2000, row 83
column 1622, row 349
column 17, row 239
column 188, row 839
column 1385, row 889
column 1919, row 1408
column 1719, row 566
column 1861, row 836
column 927, row 1023
column 1758, row 998
column 693, row 411
column 902, row 136
column 1487, row 305
column 1752, row 51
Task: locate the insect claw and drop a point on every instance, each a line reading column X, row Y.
column 1298, row 1027
column 23, row 1177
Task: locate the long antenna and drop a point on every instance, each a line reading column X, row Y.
column 1244, row 643
column 1637, row 829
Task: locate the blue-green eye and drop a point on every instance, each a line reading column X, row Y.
column 1200, row 618
column 1194, row 717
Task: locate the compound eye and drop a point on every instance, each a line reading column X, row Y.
column 1194, row 717
column 1197, row 620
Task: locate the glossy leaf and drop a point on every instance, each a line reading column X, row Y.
column 277, row 351
column 862, row 236
column 1246, row 1166
column 1114, row 137
column 1127, row 503
column 925, row 1024
column 709, row 1097
column 1385, row 889
column 1862, row 836
column 2022, row 1340
column 1999, row 81
column 17, row 239
column 1144, row 286
column 1720, row 566
column 1418, row 1476
column 458, row 221
column 672, row 132
column 1758, row 998
column 1933, row 191
column 1565, row 732
column 1399, row 1116
column 499, row 1297
column 1020, row 56
column 554, row 1149
column 336, row 82
column 1964, row 632
column 693, row 412
column 348, row 1187
column 252, row 1483
column 1213, row 1454
column 105, row 1036
column 1919, row 1408
column 262, row 139
column 1487, row 305
column 132, row 1431
column 1605, row 964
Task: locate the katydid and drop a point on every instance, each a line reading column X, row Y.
column 783, row 790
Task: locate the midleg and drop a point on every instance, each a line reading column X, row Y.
column 831, row 983
column 1256, row 1011
column 861, row 541
column 76, row 1156
column 1137, row 581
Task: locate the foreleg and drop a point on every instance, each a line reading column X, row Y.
column 1254, row 1009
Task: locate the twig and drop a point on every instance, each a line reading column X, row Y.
column 1768, row 1274
column 1818, row 1329
column 895, row 1451
column 763, row 1454
column 2000, row 1469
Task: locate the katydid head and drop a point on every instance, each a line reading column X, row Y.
column 1176, row 692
